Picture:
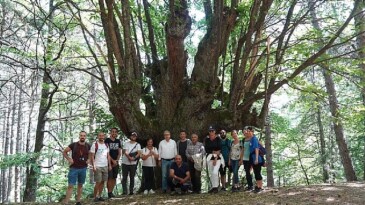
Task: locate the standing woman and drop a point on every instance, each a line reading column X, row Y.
column 149, row 157
column 131, row 150
column 251, row 158
column 235, row 159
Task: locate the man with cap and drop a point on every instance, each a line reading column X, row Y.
column 132, row 151
column 167, row 151
column 212, row 146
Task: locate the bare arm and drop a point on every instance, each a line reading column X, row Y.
column 65, row 155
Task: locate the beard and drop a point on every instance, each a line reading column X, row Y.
column 82, row 140
column 223, row 136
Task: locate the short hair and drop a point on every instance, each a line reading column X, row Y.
column 249, row 128
column 166, row 132
column 82, row 131
column 114, row 128
column 183, row 130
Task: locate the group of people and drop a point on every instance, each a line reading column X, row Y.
column 181, row 162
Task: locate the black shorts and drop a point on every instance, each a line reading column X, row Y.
column 113, row 174
column 223, row 171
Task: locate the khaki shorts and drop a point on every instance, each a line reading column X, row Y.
column 101, row 174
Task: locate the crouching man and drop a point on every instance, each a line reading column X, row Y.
column 179, row 176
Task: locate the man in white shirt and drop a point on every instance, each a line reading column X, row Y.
column 167, row 151
column 100, row 160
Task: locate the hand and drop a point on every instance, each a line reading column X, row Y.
column 256, row 161
column 229, row 163
column 240, row 162
column 214, row 162
column 94, row 169
column 110, row 168
column 70, row 161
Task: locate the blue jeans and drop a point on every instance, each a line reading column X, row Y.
column 76, row 174
column 165, row 166
column 235, row 167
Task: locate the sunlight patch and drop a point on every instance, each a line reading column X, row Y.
column 172, row 201
column 331, row 189
column 330, row 199
column 355, row 185
column 294, row 193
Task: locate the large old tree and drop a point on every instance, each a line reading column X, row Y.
column 248, row 51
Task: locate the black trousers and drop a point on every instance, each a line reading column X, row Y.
column 149, row 177
column 195, row 176
column 131, row 171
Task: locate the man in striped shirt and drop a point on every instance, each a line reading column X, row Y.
column 194, row 153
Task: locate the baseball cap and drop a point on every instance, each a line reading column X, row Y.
column 211, row 128
column 134, row 134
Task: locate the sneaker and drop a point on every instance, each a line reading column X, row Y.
column 96, row 199
column 248, row 188
column 78, row 203
column 223, row 189
column 172, row 193
column 101, row 199
column 131, row 193
column 215, row 190
column 151, row 191
column 145, row 192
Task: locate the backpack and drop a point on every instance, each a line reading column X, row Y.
column 262, row 150
column 97, row 146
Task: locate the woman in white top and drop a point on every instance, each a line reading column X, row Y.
column 149, row 157
column 235, row 159
column 132, row 151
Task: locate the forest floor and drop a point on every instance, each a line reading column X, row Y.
column 347, row 193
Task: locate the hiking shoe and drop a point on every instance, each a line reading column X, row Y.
column 215, row 190
column 172, row 193
column 101, row 199
column 223, row 189
column 96, row 199
column 111, row 195
column 151, row 191
column 131, row 193
column 78, row 203
column 145, row 192
column 257, row 190
column 248, row 188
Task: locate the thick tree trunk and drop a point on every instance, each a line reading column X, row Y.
column 325, row 166
column 360, row 39
column 338, row 128
column 12, row 138
column 269, row 164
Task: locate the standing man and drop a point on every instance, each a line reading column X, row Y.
column 182, row 144
column 195, row 153
column 115, row 147
column 78, row 166
column 100, row 160
column 132, row 153
column 214, row 159
column 167, row 151
column 225, row 149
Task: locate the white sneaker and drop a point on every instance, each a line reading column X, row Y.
column 151, row 191
column 145, row 192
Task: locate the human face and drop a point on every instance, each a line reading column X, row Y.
column 234, row 134
column 194, row 138
column 182, row 135
column 113, row 133
column 167, row 135
column 82, row 136
column 223, row 134
column 133, row 138
column 178, row 159
column 150, row 143
column 248, row 133
column 101, row 136
column 211, row 133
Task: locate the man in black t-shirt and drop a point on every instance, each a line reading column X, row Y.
column 182, row 144
column 78, row 166
column 115, row 147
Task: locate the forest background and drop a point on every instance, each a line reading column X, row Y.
column 294, row 69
